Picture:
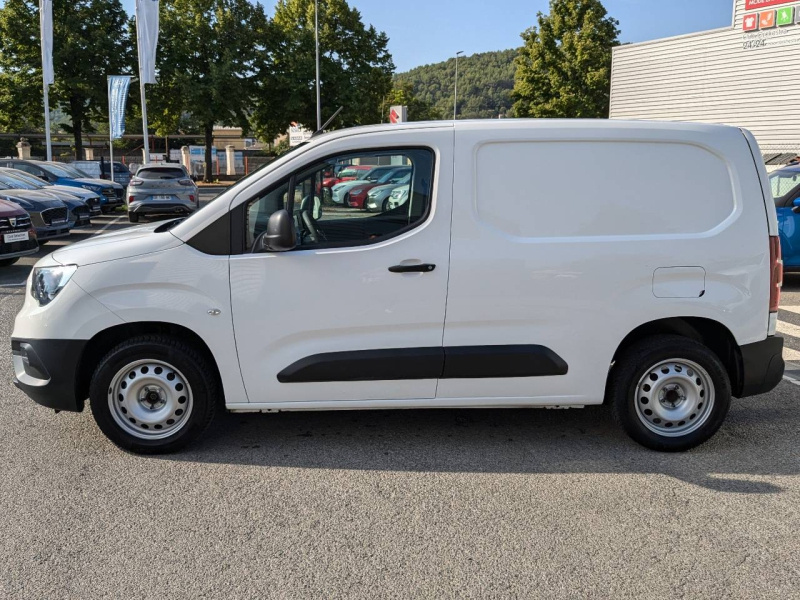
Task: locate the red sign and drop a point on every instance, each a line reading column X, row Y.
column 750, row 22
column 394, row 117
column 755, row 4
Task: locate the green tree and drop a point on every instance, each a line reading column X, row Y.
column 485, row 82
column 564, row 67
column 356, row 67
column 207, row 60
column 402, row 94
column 90, row 42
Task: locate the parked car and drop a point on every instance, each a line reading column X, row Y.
column 91, row 199
column 50, row 217
column 102, row 170
column 61, row 174
column 161, row 189
column 353, row 193
column 79, row 214
column 378, row 197
column 17, row 235
column 358, row 196
column 785, row 187
column 398, row 197
column 656, row 294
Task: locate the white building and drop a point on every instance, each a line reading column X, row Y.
column 746, row 75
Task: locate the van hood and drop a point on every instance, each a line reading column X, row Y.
column 127, row 243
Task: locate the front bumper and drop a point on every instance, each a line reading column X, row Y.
column 762, row 366
column 47, row 371
column 49, row 233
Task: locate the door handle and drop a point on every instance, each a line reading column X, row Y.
column 424, row 268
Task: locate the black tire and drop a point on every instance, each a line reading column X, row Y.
column 385, row 207
column 633, row 365
column 133, row 217
column 197, row 370
column 7, row 262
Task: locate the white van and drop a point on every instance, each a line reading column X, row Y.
column 535, row 264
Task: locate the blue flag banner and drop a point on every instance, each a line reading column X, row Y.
column 117, row 98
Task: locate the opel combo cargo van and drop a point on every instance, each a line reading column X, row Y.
column 535, row 264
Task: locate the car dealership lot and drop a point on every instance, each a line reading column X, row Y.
column 435, row 504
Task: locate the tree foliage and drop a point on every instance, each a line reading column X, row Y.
column 485, row 82
column 207, row 65
column 90, row 42
column 355, row 65
column 564, row 67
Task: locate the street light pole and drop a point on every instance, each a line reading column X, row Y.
column 455, row 101
column 316, row 39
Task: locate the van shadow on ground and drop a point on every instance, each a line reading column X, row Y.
column 757, row 443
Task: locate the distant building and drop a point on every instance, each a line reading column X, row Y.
column 744, row 75
column 227, row 136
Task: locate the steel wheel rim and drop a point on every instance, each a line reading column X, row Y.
column 150, row 399
column 674, row 397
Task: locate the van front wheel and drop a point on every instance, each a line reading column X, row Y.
column 669, row 393
column 153, row 394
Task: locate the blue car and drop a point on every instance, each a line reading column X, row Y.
column 785, row 185
column 111, row 194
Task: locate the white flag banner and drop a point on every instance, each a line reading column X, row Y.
column 147, row 38
column 46, row 26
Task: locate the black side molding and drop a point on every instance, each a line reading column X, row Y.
column 366, row 365
column 457, row 362
column 477, row 362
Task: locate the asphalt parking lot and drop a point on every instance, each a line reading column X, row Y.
column 399, row 504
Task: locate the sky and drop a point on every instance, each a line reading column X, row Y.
column 428, row 31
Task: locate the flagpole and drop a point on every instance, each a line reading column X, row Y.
column 110, row 132
column 141, row 90
column 47, row 121
column 45, row 22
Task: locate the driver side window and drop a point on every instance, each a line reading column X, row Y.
column 349, row 199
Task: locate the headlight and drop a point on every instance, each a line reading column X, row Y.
column 48, row 281
column 356, row 192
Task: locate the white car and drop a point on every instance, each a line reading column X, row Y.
column 378, row 198
column 655, row 294
column 398, row 197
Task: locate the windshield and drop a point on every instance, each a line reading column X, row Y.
column 393, row 176
column 161, row 173
column 784, row 181
column 348, row 173
column 65, row 171
column 32, row 179
column 16, row 182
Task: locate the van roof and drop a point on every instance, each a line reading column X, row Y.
column 502, row 124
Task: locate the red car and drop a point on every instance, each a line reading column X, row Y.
column 17, row 235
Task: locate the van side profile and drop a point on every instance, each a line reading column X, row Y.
column 531, row 263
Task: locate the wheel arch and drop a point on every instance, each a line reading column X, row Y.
column 97, row 347
column 712, row 334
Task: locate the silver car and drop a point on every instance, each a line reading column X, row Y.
column 159, row 190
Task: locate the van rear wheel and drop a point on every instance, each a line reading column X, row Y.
column 669, row 393
column 153, row 394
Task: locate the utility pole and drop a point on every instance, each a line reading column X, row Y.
column 455, row 101
column 316, row 38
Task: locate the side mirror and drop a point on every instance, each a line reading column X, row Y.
column 796, row 206
column 280, row 235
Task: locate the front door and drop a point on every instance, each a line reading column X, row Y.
column 356, row 311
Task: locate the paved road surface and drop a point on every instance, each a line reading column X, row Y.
column 428, row 504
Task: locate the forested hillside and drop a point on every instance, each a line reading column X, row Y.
column 485, row 82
